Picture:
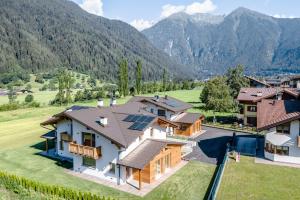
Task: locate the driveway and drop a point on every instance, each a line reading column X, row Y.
column 211, row 145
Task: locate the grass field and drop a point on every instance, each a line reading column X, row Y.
column 250, row 181
column 20, row 142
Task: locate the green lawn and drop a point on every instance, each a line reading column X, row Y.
column 20, row 142
column 250, row 181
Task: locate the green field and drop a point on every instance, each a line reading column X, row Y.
column 247, row 180
column 20, row 143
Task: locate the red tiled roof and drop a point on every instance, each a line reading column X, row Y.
column 271, row 113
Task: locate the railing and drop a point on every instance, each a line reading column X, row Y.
column 298, row 141
column 218, row 177
column 66, row 137
column 91, row 152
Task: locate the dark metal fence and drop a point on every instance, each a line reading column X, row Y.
column 218, row 177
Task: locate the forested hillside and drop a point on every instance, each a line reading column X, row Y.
column 263, row 44
column 40, row 35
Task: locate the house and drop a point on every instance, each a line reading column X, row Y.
column 256, row 83
column 173, row 111
column 292, row 82
column 249, row 97
column 120, row 143
column 279, row 121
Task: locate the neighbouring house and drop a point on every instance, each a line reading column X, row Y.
column 173, row 111
column 279, row 121
column 256, row 83
column 249, row 97
column 292, row 82
column 120, row 143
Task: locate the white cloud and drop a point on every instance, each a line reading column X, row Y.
column 206, row 6
column 196, row 7
column 283, row 16
column 169, row 9
column 141, row 24
column 93, row 6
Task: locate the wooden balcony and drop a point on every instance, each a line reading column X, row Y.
column 298, row 139
column 91, row 152
column 66, row 137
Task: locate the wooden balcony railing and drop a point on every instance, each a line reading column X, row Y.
column 91, row 152
column 298, row 141
column 66, row 137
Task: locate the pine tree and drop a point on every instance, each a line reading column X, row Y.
column 164, row 80
column 138, row 78
column 126, row 84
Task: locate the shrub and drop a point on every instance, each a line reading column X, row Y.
column 29, row 98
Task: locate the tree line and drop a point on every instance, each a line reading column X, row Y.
column 219, row 93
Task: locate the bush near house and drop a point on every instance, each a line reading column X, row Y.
column 15, row 183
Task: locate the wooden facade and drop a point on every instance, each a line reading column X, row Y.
column 167, row 158
column 189, row 129
column 91, row 152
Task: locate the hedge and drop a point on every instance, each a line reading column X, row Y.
column 12, row 182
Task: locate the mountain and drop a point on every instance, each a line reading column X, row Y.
column 210, row 43
column 40, row 35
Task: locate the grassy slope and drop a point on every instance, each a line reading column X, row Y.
column 247, row 180
column 20, row 142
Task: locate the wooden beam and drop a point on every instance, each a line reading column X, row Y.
column 140, row 180
column 47, row 145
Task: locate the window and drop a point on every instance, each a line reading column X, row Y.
column 152, row 110
column 161, row 113
column 88, row 139
column 88, row 162
column 61, row 145
column 112, row 168
column 157, row 167
column 183, row 127
column 284, row 129
column 251, row 108
column 251, row 121
column 168, row 161
column 282, row 150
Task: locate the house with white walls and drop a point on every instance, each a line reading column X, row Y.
column 279, row 121
column 175, row 111
column 117, row 143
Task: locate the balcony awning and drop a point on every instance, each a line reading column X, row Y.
column 277, row 139
column 51, row 135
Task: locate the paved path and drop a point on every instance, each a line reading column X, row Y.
column 211, row 145
column 132, row 187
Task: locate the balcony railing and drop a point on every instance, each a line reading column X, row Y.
column 66, row 137
column 91, row 152
column 298, row 141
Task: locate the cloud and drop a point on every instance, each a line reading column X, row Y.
column 93, row 6
column 169, row 9
column 141, row 24
column 196, row 7
column 283, row 16
column 206, row 6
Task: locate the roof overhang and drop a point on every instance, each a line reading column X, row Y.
column 277, row 139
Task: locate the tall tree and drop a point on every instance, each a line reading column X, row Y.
column 12, row 95
column 164, row 86
column 126, row 81
column 138, row 77
column 216, row 95
column 121, row 78
column 236, row 80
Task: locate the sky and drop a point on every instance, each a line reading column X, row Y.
column 143, row 14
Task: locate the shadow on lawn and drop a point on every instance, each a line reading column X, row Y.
column 58, row 161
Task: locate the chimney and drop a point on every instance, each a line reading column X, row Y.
column 102, row 120
column 100, row 103
column 113, row 101
column 259, row 94
column 166, row 96
column 156, row 97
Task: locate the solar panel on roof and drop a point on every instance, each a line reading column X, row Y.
column 141, row 119
column 129, row 118
column 134, row 126
column 172, row 103
column 135, row 118
column 149, row 119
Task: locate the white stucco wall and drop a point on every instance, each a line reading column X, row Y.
column 63, row 126
column 294, row 150
column 110, row 152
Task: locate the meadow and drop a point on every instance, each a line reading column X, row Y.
column 20, row 144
